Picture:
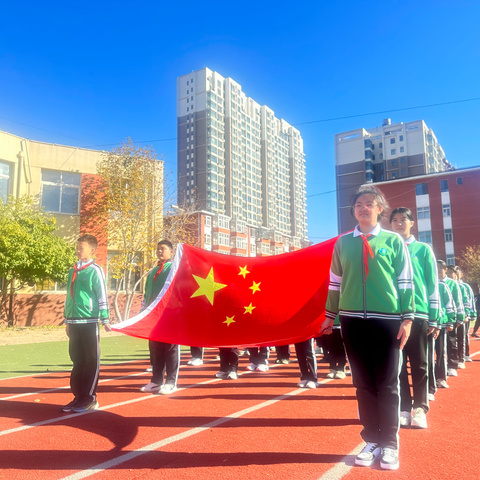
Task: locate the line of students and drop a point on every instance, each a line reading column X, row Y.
column 384, row 288
column 376, row 299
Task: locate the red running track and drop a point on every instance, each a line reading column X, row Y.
column 259, row 426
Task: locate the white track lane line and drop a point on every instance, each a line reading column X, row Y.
column 181, row 436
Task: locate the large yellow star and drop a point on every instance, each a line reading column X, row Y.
column 207, row 286
column 244, row 271
column 229, row 320
column 249, row 309
column 255, row 287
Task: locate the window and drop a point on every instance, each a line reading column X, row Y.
column 208, row 239
column 60, row 191
column 392, row 140
column 381, row 156
column 50, row 286
column 395, row 174
column 403, row 171
column 393, row 151
column 444, row 185
column 208, row 221
column 423, row 212
column 394, row 163
column 402, row 160
column 421, row 189
column 425, row 237
column 380, row 145
column 400, row 138
column 402, row 149
column 459, row 181
column 4, row 181
column 448, row 235
column 446, row 210
column 450, row 260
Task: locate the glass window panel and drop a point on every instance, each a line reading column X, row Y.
column 51, row 198
column 69, row 200
column 50, row 176
column 71, row 178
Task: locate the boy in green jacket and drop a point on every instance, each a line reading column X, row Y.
column 86, row 304
column 164, row 357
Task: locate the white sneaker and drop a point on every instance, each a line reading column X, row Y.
column 431, row 397
column 311, row 384
column 222, row 375
column 419, row 419
column 150, row 388
column 340, row 374
column 262, row 368
column 370, row 452
column 149, row 369
column 461, row 366
column 442, row 384
column 405, row 419
column 252, row 367
column 389, row 460
column 302, row 384
column 195, row 362
column 452, row 372
column 232, row 376
column 468, row 359
column 167, row 389
column 331, row 374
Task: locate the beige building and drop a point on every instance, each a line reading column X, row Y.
column 64, row 181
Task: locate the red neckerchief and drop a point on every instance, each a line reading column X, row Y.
column 74, row 276
column 367, row 249
column 160, row 264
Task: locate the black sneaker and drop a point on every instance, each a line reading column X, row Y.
column 84, row 406
column 69, row 406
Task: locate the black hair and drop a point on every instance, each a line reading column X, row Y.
column 403, row 211
column 168, row 243
column 90, row 239
column 379, row 197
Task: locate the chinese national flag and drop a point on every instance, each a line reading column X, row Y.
column 216, row 300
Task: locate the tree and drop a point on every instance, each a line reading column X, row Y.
column 29, row 250
column 469, row 262
column 131, row 209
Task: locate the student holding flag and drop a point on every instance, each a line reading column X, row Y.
column 371, row 289
column 164, row 357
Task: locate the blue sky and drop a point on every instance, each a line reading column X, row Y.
column 90, row 74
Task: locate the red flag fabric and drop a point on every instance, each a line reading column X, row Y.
column 215, row 300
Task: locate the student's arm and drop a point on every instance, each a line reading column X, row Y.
column 431, row 285
column 100, row 289
column 333, row 298
column 404, row 273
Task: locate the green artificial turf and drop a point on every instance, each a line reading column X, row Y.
column 34, row 358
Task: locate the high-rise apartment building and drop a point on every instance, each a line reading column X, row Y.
column 237, row 161
column 390, row 152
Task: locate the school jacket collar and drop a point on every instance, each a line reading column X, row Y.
column 375, row 232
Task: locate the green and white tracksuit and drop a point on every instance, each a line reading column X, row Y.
column 86, row 304
column 164, row 357
column 455, row 349
column 371, row 288
column 420, row 347
column 446, row 318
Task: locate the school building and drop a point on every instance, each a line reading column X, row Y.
column 64, row 180
column 445, row 207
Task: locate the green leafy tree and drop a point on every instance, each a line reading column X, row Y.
column 131, row 209
column 30, row 251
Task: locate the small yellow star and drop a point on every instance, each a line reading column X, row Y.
column 243, row 271
column 207, row 286
column 229, row 320
column 255, row 287
column 249, row 309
